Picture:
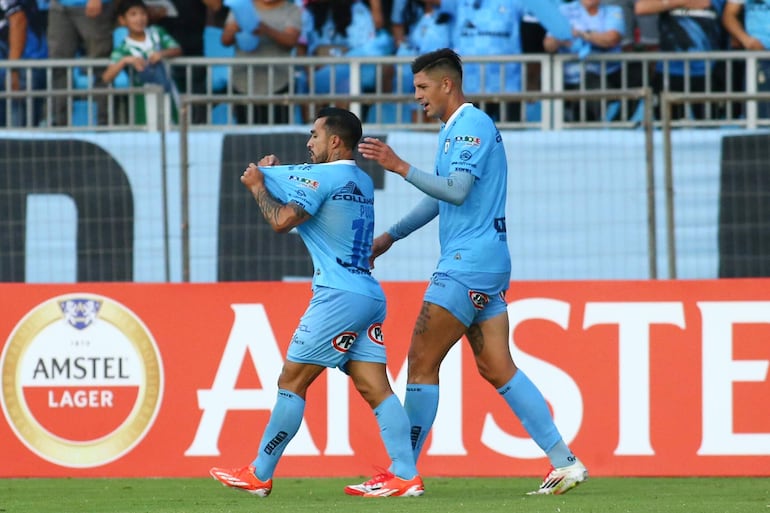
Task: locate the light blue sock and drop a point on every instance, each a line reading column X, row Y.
column 529, row 405
column 394, row 430
column 421, row 404
column 283, row 425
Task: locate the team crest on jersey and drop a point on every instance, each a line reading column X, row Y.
column 468, row 140
column 375, row 333
column 344, row 341
column 479, row 299
column 305, row 182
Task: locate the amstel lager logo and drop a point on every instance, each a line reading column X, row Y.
column 82, row 380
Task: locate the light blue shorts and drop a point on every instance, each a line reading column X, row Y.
column 470, row 304
column 339, row 326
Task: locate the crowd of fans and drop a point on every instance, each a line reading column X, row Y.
column 65, row 29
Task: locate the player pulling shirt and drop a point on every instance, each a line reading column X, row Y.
column 340, row 198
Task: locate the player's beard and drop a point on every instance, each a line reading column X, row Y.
column 317, row 158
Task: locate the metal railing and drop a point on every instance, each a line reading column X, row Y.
column 668, row 101
column 728, row 72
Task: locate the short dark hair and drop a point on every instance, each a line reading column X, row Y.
column 343, row 123
column 441, row 58
column 124, row 5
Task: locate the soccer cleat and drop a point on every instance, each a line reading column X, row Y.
column 242, row 479
column 386, row 484
column 561, row 480
column 367, row 486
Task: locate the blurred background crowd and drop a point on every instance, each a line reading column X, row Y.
column 137, row 35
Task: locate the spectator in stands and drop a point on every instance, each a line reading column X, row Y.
column 21, row 37
column 629, row 22
column 687, row 26
column 641, row 36
column 262, row 28
column 337, row 28
column 75, row 26
column 599, row 29
column 492, row 27
column 42, row 7
column 142, row 52
column 489, row 27
column 749, row 25
column 647, row 33
column 418, row 27
column 380, row 10
column 186, row 25
column 532, row 35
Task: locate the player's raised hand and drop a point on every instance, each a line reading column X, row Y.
column 269, row 160
column 252, row 177
column 374, row 149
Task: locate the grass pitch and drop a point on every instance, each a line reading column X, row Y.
column 443, row 495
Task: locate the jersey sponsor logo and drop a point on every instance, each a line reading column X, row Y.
column 447, row 143
column 351, row 192
column 375, row 333
column 465, row 155
column 306, row 182
column 500, row 225
column 479, row 299
column 468, row 140
column 344, row 341
column 82, row 380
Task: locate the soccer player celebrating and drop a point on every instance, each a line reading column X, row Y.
column 466, row 294
column 331, row 204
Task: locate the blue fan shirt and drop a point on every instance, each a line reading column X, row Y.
column 757, row 19
column 691, row 30
column 608, row 17
column 487, row 27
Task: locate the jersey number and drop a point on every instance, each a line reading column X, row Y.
column 362, row 247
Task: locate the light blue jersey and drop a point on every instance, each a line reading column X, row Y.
column 487, row 27
column 757, row 19
column 473, row 234
column 340, row 198
column 360, row 31
column 608, row 17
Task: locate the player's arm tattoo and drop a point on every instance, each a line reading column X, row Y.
column 274, row 211
column 268, row 205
